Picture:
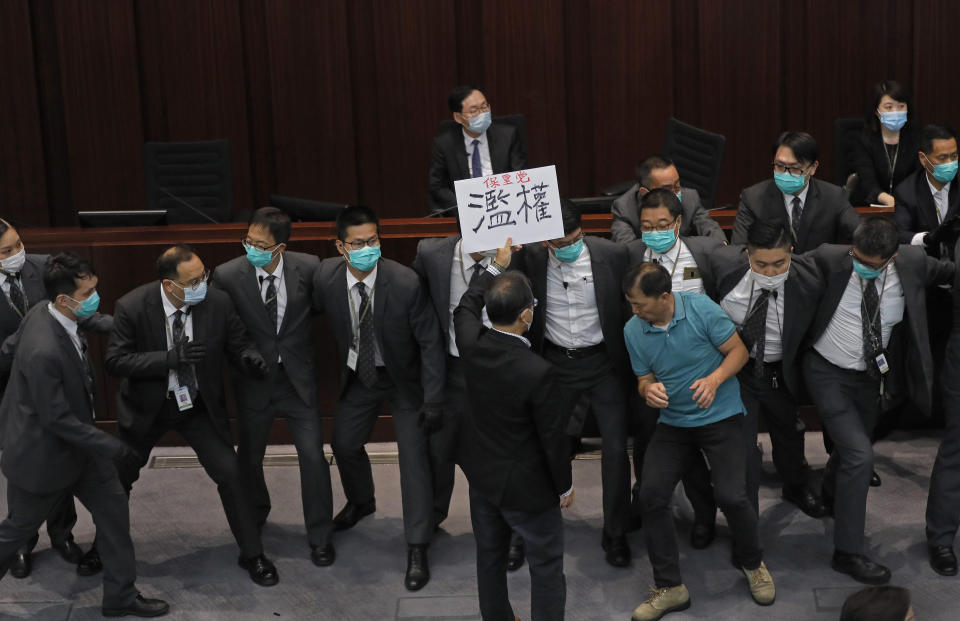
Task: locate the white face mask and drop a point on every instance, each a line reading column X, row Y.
column 14, row 263
column 770, row 282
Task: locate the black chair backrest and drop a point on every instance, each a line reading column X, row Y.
column 845, row 132
column 518, row 121
column 305, row 210
column 181, row 175
column 594, row 204
column 698, row 156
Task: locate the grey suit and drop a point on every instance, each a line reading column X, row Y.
column 696, row 220
column 827, row 216
column 848, row 400
column 53, row 450
column 412, row 376
column 290, row 389
column 700, row 248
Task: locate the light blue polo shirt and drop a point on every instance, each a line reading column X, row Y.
column 682, row 353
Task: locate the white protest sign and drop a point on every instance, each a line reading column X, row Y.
column 524, row 205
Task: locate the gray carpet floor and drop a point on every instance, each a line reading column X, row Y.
column 186, row 555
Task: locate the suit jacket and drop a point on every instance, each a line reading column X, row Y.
column 827, row 216
column 448, row 161
column 432, row 264
column 137, row 352
column 801, row 292
column 911, row 363
column 915, row 210
column 609, row 262
column 513, row 448
column 870, row 161
column 48, row 431
column 696, row 220
column 294, row 342
column 700, row 247
column 405, row 327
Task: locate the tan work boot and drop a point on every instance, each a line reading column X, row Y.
column 761, row 585
column 662, row 601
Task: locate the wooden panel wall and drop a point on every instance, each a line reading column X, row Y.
column 339, row 99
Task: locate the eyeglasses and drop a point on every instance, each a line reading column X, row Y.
column 196, row 281
column 475, row 110
column 658, row 227
column 796, row 171
column 246, row 243
column 564, row 244
column 673, row 187
column 360, row 243
column 872, row 266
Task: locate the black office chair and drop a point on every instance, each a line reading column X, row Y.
column 192, row 181
column 305, row 210
column 594, row 204
column 698, row 156
column 845, row 132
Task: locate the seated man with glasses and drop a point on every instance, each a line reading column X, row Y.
column 475, row 147
column 816, row 211
column 169, row 340
column 579, row 329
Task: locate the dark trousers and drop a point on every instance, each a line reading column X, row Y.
column 779, row 409
column 442, row 444
column 594, row 378
column 60, row 524
column 543, row 535
column 943, row 501
column 307, row 431
column 668, row 457
column 696, row 480
column 357, row 413
column 101, row 493
column 218, row 459
column 847, row 402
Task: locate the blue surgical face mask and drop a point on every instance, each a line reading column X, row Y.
column 87, row 307
column 365, row 258
column 680, row 195
column 894, row 120
column 569, row 254
column 787, row 183
column 195, row 294
column 258, row 257
column 659, row 241
column 865, row 272
column 480, row 123
column 944, row 173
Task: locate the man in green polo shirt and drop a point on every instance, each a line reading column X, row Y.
column 686, row 352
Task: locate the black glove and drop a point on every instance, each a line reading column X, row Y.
column 186, row 352
column 431, row 418
column 254, row 364
column 946, row 233
column 127, row 458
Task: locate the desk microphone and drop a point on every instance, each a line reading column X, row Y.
column 187, row 205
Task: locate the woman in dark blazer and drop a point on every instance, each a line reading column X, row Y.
column 884, row 154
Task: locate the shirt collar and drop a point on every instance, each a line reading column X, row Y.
column 934, row 190
column 679, row 312
column 516, row 336
column 802, row 195
column 168, row 307
column 278, row 271
column 467, row 261
column 468, row 140
column 369, row 282
column 70, row 325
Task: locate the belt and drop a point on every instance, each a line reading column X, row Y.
column 574, row 352
column 769, row 368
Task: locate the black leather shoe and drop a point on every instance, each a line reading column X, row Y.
column 323, row 556
column 827, row 499
column 702, row 535
column 418, row 568
column 353, row 513
column 806, row 499
column 860, row 568
column 515, row 557
column 943, row 560
column 261, row 570
column 617, row 549
column 69, row 551
column 875, row 480
column 90, row 564
column 139, row 607
column 21, row 565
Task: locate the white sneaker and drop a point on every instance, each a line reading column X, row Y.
column 761, row 585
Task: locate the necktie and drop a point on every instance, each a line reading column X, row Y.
column 795, row 215
column 475, row 160
column 186, row 374
column 366, row 356
column 271, row 299
column 88, row 368
column 754, row 330
column 16, row 294
column 477, row 270
column 870, row 318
